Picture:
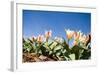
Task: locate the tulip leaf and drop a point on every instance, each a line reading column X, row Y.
column 58, row 47
column 66, row 58
column 76, row 50
column 72, row 56
column 86, row 54
column 53, row 45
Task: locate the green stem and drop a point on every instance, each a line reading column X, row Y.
column 68, row 42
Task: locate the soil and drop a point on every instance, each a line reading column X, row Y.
column 32, row 57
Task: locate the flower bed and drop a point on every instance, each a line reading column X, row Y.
column 46, row 48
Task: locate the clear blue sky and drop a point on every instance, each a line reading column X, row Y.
column 36, row 22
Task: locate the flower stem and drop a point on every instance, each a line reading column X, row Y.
column 68, row 42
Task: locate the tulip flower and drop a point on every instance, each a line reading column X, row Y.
column 88, row 39
column 48, row 34
column 82, row 38
column 79, row 37
column 85, row 39
column 40, row 39
column 76, row 37
column 69, row 33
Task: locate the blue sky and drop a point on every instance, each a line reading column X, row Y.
column 36, row 22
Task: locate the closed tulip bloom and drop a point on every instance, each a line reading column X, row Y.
column 40, row 39
column 48, row 34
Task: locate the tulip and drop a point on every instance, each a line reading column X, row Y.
column 80, row 38
column 48, row 34
column 85, row 39
column 40, row 39
column 69, row 33
column 88, row 39
column 76, row 35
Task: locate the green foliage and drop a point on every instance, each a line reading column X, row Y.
column 58, row 50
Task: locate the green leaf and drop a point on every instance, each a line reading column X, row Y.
column 63, row 50
column 44, row 50
column 53, row 45
column 76, row 50
column 58, row 53
column 47, row 47
column 72, row 56
column 50, row 52
column 66, row 46
column 66, row 58
column 86, row 54
column 58, row 47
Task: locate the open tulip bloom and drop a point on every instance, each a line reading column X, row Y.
column 48, row 48
column 69, row 33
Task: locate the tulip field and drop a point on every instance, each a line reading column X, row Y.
column 46, row 47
